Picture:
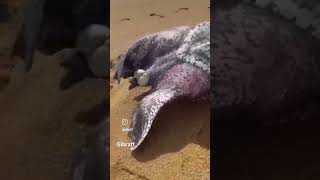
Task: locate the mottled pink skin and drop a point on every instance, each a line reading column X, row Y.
column 181, row 71
column 181, row 81
column 188, row 80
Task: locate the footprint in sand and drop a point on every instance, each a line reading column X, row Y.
column 182, row 9
column 125, row 19
column 154, row 14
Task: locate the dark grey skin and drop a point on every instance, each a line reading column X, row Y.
column 265, row 87
column 146, row 52
column 303, row 13
column 264, row 66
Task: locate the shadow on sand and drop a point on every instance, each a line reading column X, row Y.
column 176, row 126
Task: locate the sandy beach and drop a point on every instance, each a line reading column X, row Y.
column 39, row 131
column 178, row 145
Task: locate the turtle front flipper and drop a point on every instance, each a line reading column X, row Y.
column 147, row 111
column 182, row 80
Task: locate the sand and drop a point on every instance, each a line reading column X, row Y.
column 178, row 146
column 39, row 134
column 39, row 131
column 8, row 33
column 8, row 30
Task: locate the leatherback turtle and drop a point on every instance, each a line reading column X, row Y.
column 175, row 63
column 265, row 59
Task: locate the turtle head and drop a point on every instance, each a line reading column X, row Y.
column 128, row 66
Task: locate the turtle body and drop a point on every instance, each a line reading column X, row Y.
column 176, row 63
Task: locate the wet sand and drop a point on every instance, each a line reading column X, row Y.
column 178, row 145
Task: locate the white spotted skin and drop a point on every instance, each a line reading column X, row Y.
column 181, row 81
column 196, row 47
column 149, row 108
column 171, row 34
column 157, row 53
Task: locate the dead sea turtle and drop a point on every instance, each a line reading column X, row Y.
column 265, row 66
column 175, row 63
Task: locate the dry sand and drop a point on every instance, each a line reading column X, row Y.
column 178, row 146
column 39, row 134
column 8, row 33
